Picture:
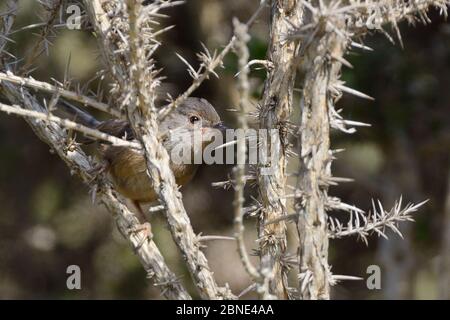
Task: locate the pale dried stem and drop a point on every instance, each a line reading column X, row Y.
column 242, row 37
column 276, row 106
column 68, row 124
column 321, row 70
column 71, row 95
column 326, row 32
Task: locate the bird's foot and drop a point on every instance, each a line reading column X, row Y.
column 97, row 171
column 145, row 229
column 95, row 174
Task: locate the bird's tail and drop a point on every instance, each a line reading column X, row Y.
column 75, row 114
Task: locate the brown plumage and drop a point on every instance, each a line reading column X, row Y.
column 128, row 168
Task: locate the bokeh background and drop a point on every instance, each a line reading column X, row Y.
column 47, row 220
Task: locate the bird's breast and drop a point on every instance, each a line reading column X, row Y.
column 128, row 170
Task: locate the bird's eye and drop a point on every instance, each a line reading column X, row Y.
column 193, row 119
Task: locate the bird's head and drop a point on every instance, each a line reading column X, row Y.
column 192, row 125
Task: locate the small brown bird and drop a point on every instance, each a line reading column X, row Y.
column 128, row 168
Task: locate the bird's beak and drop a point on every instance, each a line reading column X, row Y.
column 221, row 127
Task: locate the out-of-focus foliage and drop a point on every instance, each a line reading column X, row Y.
column 48, row 222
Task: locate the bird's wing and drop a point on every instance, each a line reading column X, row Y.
column 117, row 128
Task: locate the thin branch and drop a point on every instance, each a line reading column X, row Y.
column 215, row 238
column 41, row 45
column 68, row 124
column 274, row 112
column 242, row 37
column 375, row 222
column 47, row 87
column 8, row 21
column 320, row 65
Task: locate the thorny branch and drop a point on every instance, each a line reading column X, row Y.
column 136, row 81
column 7, row 24
column 376, row 221
column 81, row 165
column 242, row 36
column 328, row 30
column 46, row 87
column 68, row 124
column 311, row 37
column 52, row 7
column 276, row 106
column 315, row 161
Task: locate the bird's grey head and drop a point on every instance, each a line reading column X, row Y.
column 189, row 128
column 193, row 114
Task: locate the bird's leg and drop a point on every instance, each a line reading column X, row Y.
column 144, row 227
column 98, row 170
column 142, row 216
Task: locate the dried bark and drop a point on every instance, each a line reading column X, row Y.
column 315, row 161
column 275, row 109
column 328, row 30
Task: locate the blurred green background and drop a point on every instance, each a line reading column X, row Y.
column 47, row 221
